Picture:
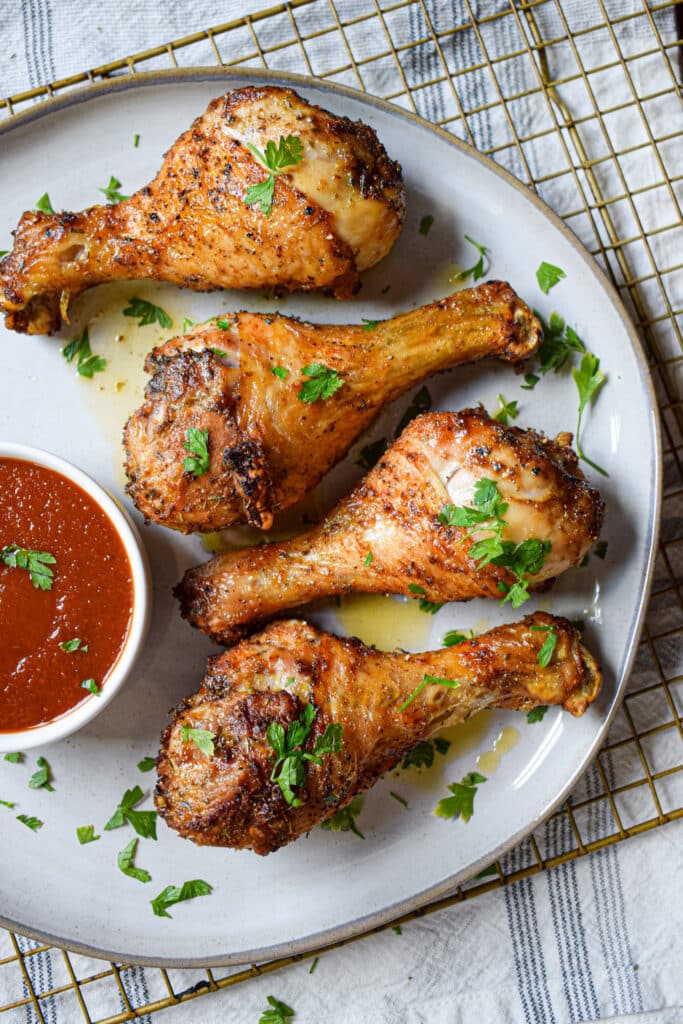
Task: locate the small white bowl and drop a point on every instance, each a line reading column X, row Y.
column 79, row 716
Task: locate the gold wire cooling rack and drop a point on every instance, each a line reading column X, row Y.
column 543, row 95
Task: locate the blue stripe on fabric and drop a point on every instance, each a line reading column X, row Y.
column 529, row 961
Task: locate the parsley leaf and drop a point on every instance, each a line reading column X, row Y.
column 16, row 757
column 276, row 158
column 430, row 607
column 111, row 192
column 559, row 342
column 87, row 364
column 125, row 863
column 8, row 804
column 288, row 769
column 33, row 823
column 476, row 270
column 370, row 325
column 279, row 1013
column 548, row 276
column 187, row 324
column 171, row 895
column 453, row 637
column 530, row 381
column 588, row 378
column 147, row 313
column 368, row 558
column 44, row 204
column 197, row 442
column 600, row 550
column 507, row 411
column 345, row 819
column 322, row 383
column 136, row 140
column 73, row 645
column 427, row 681
column 147, row 764
column 371, row 453
column 280, row 372
column 414, row 588
column 548, row 647
column 422, row 754
column 425, row 224
column 3, row 253
column 41, row 778
column 36, row 563
column 536, row 714
column 86, row 834
column 202, row 739
column 91, row 686
column 421, row 402
column 398, row 798
column 144, row 822
column 461, row 803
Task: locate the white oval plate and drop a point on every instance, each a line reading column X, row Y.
column 330, row 885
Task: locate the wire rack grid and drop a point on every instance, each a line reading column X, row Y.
column 546, row 97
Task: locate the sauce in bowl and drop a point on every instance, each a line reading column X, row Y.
column 88, row 598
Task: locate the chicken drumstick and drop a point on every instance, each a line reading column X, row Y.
column 359, row 710
column 220, row 378
column 524, row 503
column 335, row 209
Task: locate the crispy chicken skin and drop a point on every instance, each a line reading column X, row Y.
column 229, row 799
column 222, row 381
column 394, row 513
column 336, row 213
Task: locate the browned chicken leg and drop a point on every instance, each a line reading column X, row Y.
column 267, row 447
column 397, row 531
column 334, row 213
column 231, row 798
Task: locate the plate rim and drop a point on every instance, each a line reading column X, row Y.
column 427, row 898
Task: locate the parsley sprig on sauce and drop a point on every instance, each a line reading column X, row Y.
column 147, row 313
column 87, row 364
column 277, row 158
column 290, row 756
column 36, row 563
column 477, row 270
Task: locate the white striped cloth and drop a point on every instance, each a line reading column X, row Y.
column 595, row 939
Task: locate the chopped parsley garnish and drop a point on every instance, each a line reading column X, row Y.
column 430, row 607
column 559, row 342
column 530, row 381
column 136, row 140
column 220, row 353
column 368, row 558
column 279, row 1012
column 425, row 224
column 536, row 714
column 427, row 680
column 461, row 803
column 36, row 563
column 321, row 384
column 187, row 324
column 3, row 253
column 369, row 325
column 588, row 378
column 288, row 769
column 44, row 204
column 548, row 275
column 397, row 929
column 507, row 411
column 87, row 364
column 111, row 192
column 41, row 778
column 453, row 637
column 33, row 823
column 422, row 402
column 549, row 644
column 314, row 965
column 7, row 803
column 487, row 514
column 16, row 757
column 422, row 754
column 125, row 863
column 147, row 313
column 91, row 686
column 345, row 819
column 196, row 442
column 276, row 159
column 202, row 738
column 144, row 822
column 73, row 645
column 86, row 834
column 399, row 798
column 477, row 269
column 600, row 549
column 414, row 588
column 171, row 895
column 280, row 372
column 371, row 453
column 147, row 764
column 487, row 872
column 223, row 325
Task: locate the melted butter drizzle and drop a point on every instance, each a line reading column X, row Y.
column 507, row 739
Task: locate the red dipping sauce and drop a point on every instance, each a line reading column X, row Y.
column 91, row 597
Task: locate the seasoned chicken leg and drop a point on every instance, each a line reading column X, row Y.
column 231, row 799
column 335, row 213
column 394, row 533
column 267, row 447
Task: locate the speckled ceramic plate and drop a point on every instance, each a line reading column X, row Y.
column 329, row 885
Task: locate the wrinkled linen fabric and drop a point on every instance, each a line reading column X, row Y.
column 599, row 938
